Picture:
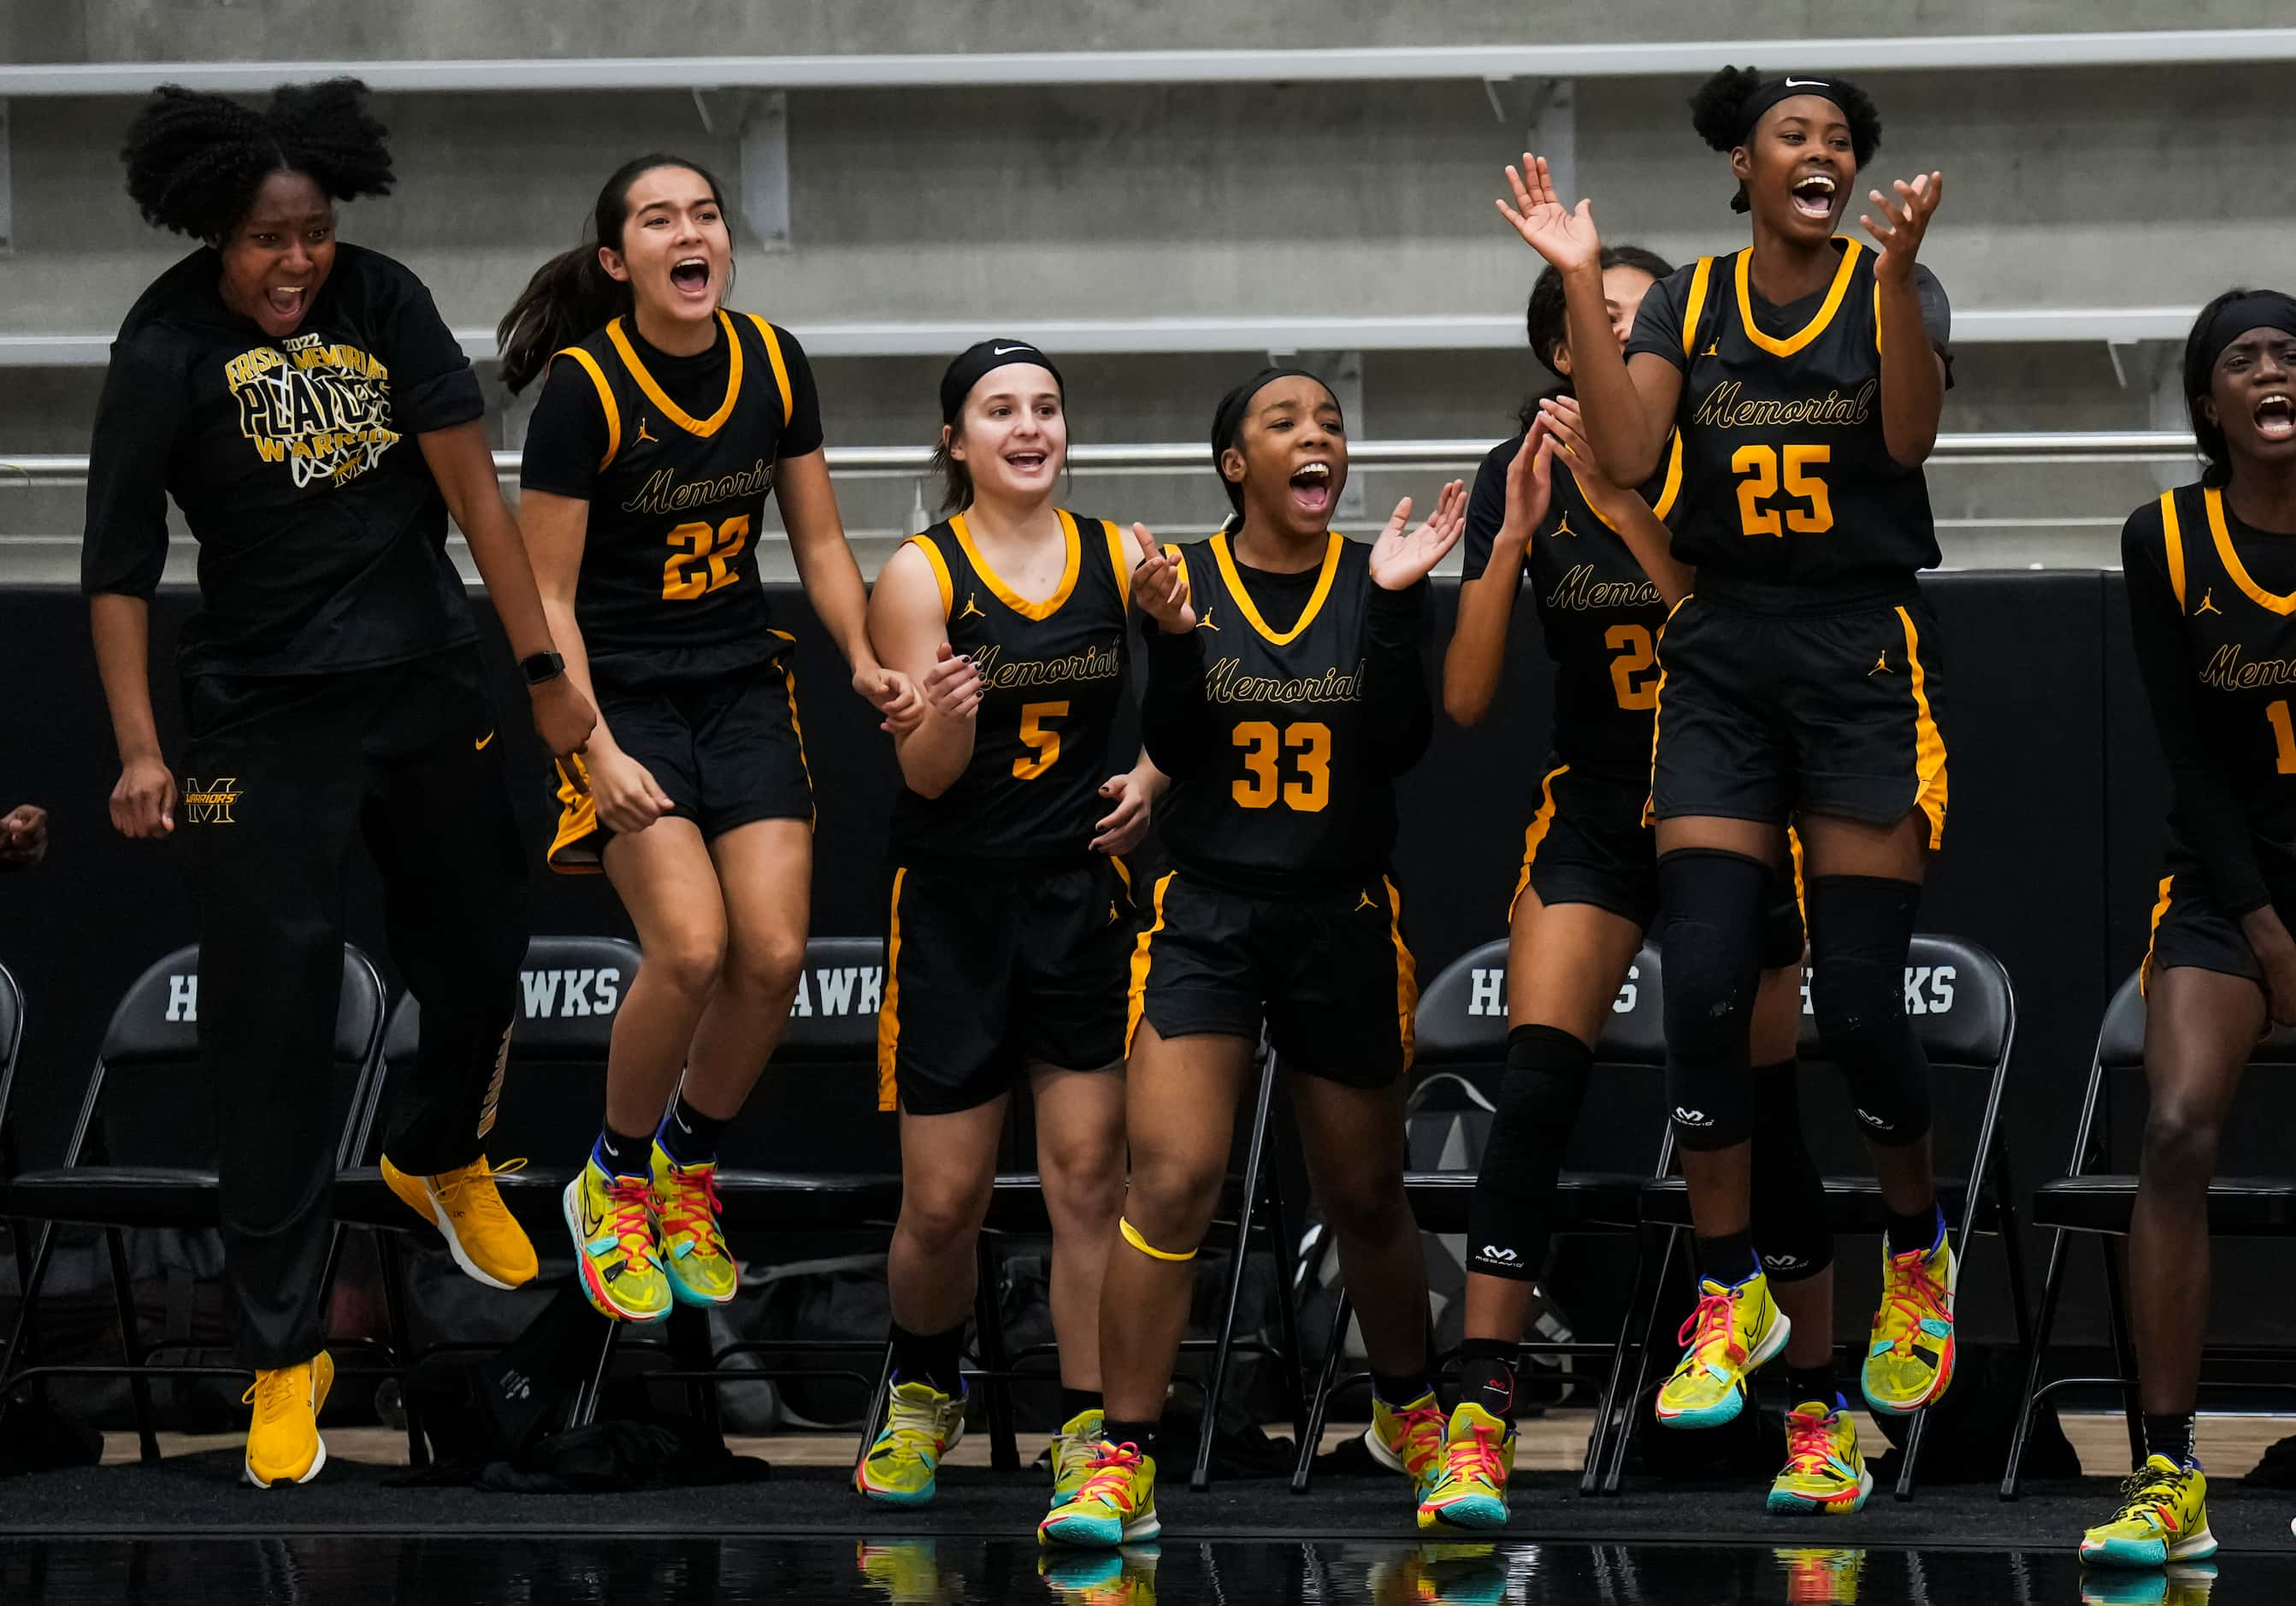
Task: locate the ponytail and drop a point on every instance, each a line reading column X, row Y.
column 569, row 297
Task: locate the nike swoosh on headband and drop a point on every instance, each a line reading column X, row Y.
column 1808, row 84
column 1001, row 350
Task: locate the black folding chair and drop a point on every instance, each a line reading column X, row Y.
column 12, row 1041
column 1963, row 1010
column 2089, row 1198
column 1460, row 1029
column 143, row 1152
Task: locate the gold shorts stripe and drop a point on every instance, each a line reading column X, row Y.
column 1132, row 1236
column 889, row 1013
column 1801, row 883
column 1929, row 742
column 578, row 822
column 1658, row 702
column 2152, row 936
column 1406, row 973
column 1137, row 999
column 1535, row 834
column 797, row 726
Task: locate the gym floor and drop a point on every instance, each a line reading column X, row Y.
column 186, row 1531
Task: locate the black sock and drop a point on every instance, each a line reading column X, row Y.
column 1487, row 1376
column 1076, row 1402
column 934, row 1358
column 1140, row 1435
column 1400, row 1391
column 1728, row 1259
column 619, row 1154
column 1808, row 1383
column 688, row 1137
column 2171, row 1435
column 1920, row 1230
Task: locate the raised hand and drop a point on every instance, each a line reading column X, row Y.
column 1530, row 485
column 1399, row 562
column 953, row 685
column 1907, row 219
column 1160, row 585
column 1564, row 237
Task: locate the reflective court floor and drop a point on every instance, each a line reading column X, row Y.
column 915, row 1571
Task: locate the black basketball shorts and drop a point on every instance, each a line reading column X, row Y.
column 2191, row 929
column 1762, row 716
column 992, row 970
column 1331, row 973
column 728, row 751
column 1587, row 844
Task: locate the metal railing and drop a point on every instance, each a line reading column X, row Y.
column 1160, row 457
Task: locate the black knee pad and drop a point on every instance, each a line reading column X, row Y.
column 1710, row 949
column 1788, row 1196
column 1512, row 1218
column 1861, row 927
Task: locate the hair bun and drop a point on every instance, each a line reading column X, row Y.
column 1717, row 108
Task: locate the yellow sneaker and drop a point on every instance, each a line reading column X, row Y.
column 1823, row 1469
column 1470, row 1490
column 465, row 1206
column 685, row 1223
column 1441, row 1575
column 613, row 1245
column 2179, row 1584
column 1732, row 1331
column 2163, row 1518
column 922, row 1425
column 1124, row 1576
column 1407, row 1440
column 1075, row 1447
column 1911, row 1361
column 1116, row 1506
column 283, row 1441
column 908, row 1572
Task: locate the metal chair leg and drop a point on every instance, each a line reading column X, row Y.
column 2124, row 1365
column 1287, row 1306
column 131, row 1346
column 1607, row 1401
column 1320, row 1402
column 2052, row 1280
column 988, row 1320
column 585, row 1408
column 21, row 1337
column 1630, row 1404
column 878, row 1401
column 1255, row 1155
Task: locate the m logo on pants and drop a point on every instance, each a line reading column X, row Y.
column 209, row 803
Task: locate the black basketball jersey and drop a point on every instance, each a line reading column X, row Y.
column 1053, row 676
column 2242, row 642
column 1599, row 613
column 669, row 591
column 1301, row 801
column 1786, row 477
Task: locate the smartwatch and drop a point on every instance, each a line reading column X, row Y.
column 541, row 667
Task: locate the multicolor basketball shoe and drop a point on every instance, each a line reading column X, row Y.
column 1732, row 1332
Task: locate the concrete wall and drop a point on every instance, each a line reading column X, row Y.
column 2076, row 188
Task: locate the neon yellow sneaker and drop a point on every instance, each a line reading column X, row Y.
column 1822, row 1577
column 1408, row 1439
column 922, row 1426
column 464, row 1205
column 614, row 1247
column 1824, row 1470
column 2163, row 1518
column 908, row 1572
column 1075, row 1447
column 1911, row 1361
column 1125, row 1577
column 1732, row 1331
column 685, row 1212
column 283, row 1441
column 1116, row 1506
column 1470, row 1490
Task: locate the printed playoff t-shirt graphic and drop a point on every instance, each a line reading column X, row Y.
column 320, row 407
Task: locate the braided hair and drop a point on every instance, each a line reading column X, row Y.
column 195, row 160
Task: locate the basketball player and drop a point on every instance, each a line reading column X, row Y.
column 1601, row 579
column 331, row 691
column 664, row 422
column 1285, row 693
column 1011, row 926
column 2211, row 573
column 1805, row 374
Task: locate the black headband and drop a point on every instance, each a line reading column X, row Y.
column 2259, row 309
column 1227, row 422
column 1769, row 94
column 976, row 363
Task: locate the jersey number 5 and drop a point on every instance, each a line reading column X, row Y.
column 2283, row 736
column 1636, row 653
column 1757, row 468
column 1045, row 743
column 1264, row 782
column 716, row 547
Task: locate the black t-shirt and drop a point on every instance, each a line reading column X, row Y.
column 676, row 456
column 322, row 533
column 1600, row 615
